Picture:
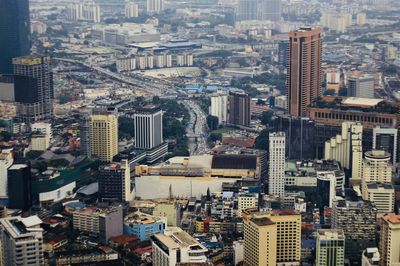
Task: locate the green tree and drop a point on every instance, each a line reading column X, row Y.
column 262, row 140
column 212, row 122
column 215, row 136
column 266, row 117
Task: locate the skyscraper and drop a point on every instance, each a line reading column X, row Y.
column 22, row 241
column 389, row 246
column 219, row 107
column 14, row 31
column 155, row 6
column 304, row 75
column 276, row 184
column 330, row 247
column 361, row 86
column 19, row 187
column 104, row 134
column 358, row 221
column 239, row 108
column 260, row 235
column 115, row 182
column 286, row 244
column 387, row 139
column 259, row 10
column 148, row 127
column 33, row 82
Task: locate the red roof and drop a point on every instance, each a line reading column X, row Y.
column 141, row 251
column 123, row 239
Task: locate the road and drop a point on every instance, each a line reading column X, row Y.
column 149, row 85
column 196, row 129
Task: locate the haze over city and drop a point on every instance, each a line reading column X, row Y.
column 200, row 132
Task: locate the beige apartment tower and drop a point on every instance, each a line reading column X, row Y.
column 304, row 74
column 260, row 242
column 288, row 235
column 389, row 246
column 103, row 130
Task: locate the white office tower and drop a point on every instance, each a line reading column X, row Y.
column 361, row 86
column 276, row 164
column 155, row 6
column 346, row 148
column 131, row 10
column 336, row 21
column 219, row 107
column 6, row 160
column 330, row 247
column 176, row 246
column 386, row 139
column 22, row 241
column 148, row 127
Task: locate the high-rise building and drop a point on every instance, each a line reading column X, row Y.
column 276, row 174
column 387, row 139
column 283, row 47
column 6, row 160
column 259, row 10
column 260, row 241
column 84, row 135
column 357, row 219
column 247, row 200
column 376, row 167
column 19, row 187
column 89, row 11
column 176, row 246
column 104, row 135
column 346, row 148
column 269, row 10
column 361, row 86
column 131, row 10
column 219, row 107
column 21, row 241
column 330, row 247
column 148, row 127
column 115, row 182
column 155, row 6
column 288, row 234
column 382, row 195
column 104, row 222
column 304, row 75
column 15, row 32
column 33, row 83
column 361, row 18
column 389, row 244
column 336, row 21
column 239, row 108
column 326, row 190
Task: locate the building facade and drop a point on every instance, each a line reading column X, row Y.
column 219, row 107
column 115, row 182
column 103, row 131
column 19, row 187
column 276, row 174
column 14, row 31
column 33, row 83
column 330, row 247
column 148, row 127
column 239, row 109
column 304, row 75
column 389, row 245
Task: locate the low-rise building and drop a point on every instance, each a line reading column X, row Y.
column 144, row 225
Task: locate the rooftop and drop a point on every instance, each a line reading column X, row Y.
column 331, row 234
column 354, row 101
column 262, row 221
column 392, row 219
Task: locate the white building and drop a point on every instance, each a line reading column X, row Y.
column 377, row 167
column 336, row 21
column 22, row 241
column 84, row 11
column 346, row 148
column 131, row 10
column 6, row 160
column 176, row 246
column 148, row 127
column 155, row 6
column 277, row 164
column 383, row 195
column 330, row 247
column 361, row 18
column 219, row 107
column 361, row 86
column 126, row 64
